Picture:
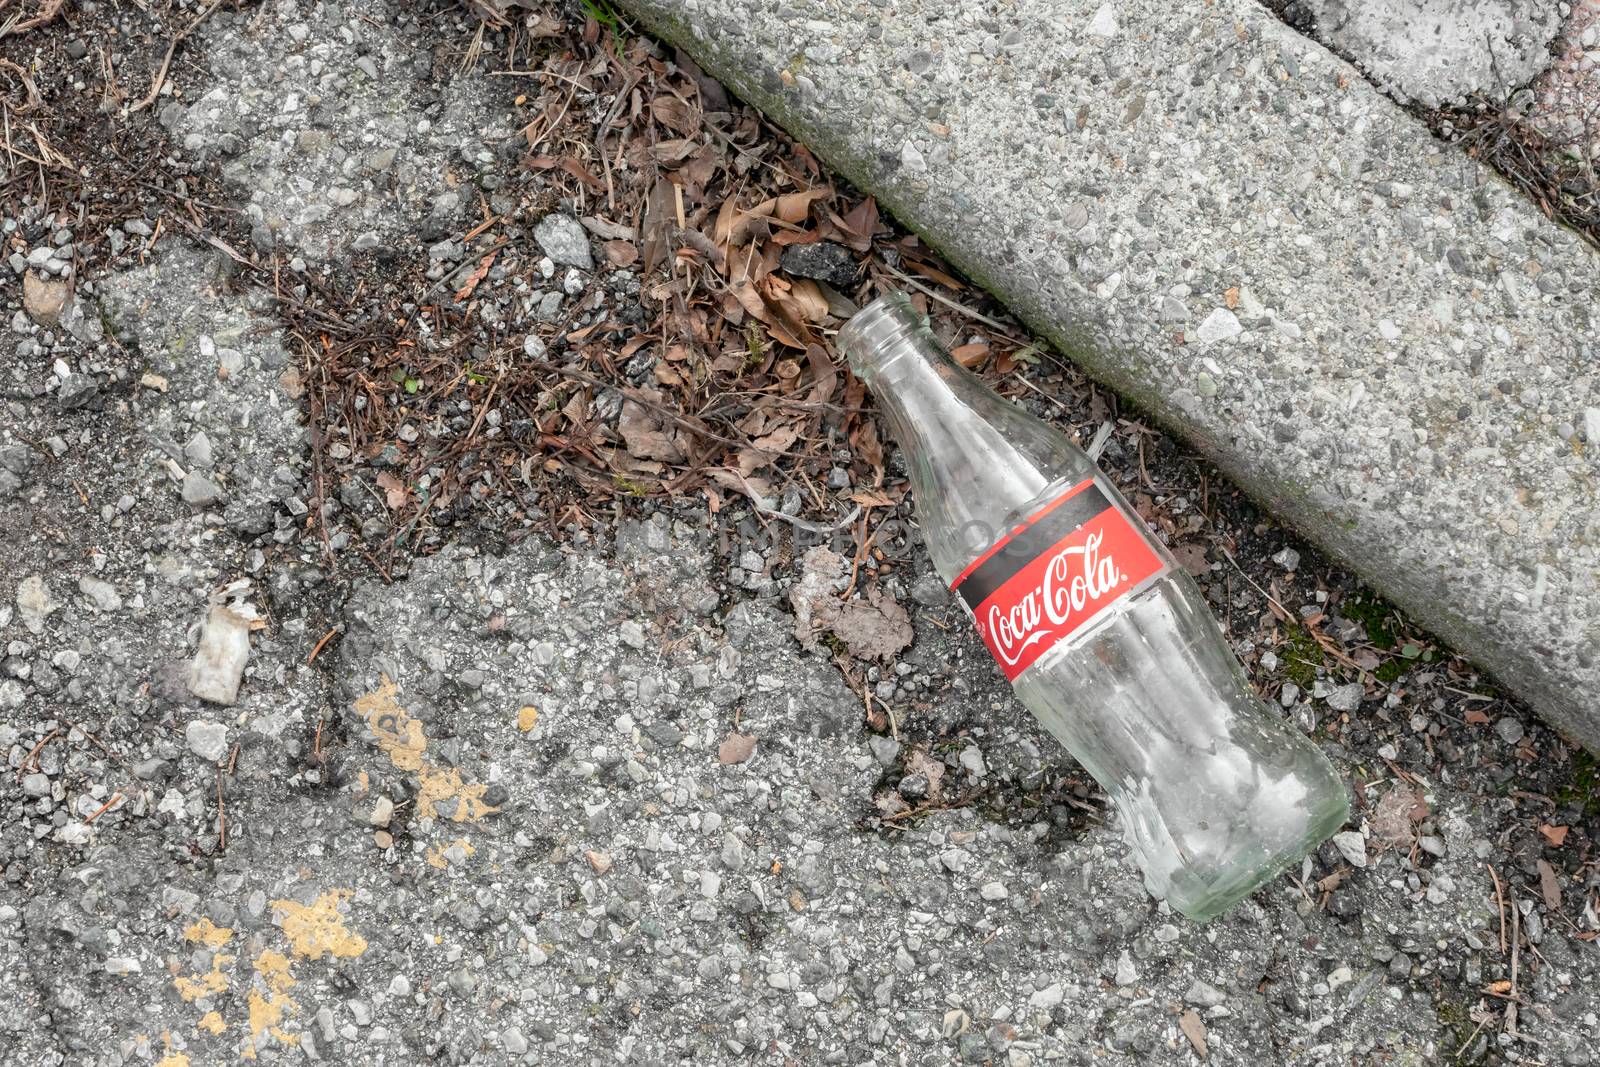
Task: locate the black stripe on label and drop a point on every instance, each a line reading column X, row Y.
column 1029, row 543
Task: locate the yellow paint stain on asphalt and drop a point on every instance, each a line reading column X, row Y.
column 403, row 740
column 204, row 985
column 172, row 1058
column 268, row 1007
column 527, row 718
column 436, row 854
column 207, row 933
column 317, row 929
column 211, row 1021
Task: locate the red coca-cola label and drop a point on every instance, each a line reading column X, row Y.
column 1069, row 561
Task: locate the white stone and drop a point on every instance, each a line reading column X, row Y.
column 1220, row 325
column 34, row 602
column 208, row 740
column 1048, row 997
column 1126, row 974
column 564, row 241
column 1352, row 846
column 1104, row 23
column 102, row 594
column 218, row 664
column 911, row 159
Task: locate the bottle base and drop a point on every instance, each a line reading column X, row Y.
column 1204, row 902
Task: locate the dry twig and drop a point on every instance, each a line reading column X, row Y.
column 166, row 62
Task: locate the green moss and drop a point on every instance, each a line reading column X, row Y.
column 1584, row 789
column 1301, row 657
column 1373, row 614
column 755, row 345
column 1390, row 671
column 630, row 486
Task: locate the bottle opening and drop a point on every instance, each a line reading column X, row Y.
column 870, row 340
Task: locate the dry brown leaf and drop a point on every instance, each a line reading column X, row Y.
column 706, row 246
column 1476, row 717
column 824, row 379
column 794, row 207
column 736, row 747
column 1556, row 835
column 768, row 447
column 734, row 223
column 744, row 485
column 745, row 293
column 479, row 272
column 576, row 409
column 919, row 762
column 864, row 441
column 621, row 253
column 657, row 222
column 675, row 115
column 607, row 230
column 646, row 434
column 871, row 498
column 860, row 225
column 394, row 490
column 727, row 218
column 674, row 150
column 1391, row 818
column 1549, row 885
column 1193, row 559
column 1195, row 1030
column 784, row 326
column 933, row 273
column 970, row 355
column 808, row 302
column 889, row 803
column 698, row 170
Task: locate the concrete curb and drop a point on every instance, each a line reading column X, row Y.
column 1383, row 344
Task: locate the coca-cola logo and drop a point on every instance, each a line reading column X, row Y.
column 1076, row 577
column 1047, row 577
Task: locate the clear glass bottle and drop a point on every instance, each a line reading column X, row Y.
column 1103, row 636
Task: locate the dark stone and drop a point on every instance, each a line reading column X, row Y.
column 77, row 391
column 914, row 787
column 823, row 261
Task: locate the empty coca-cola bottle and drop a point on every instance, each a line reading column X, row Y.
column 1102, row 635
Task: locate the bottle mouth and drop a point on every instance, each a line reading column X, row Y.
column 869, row 339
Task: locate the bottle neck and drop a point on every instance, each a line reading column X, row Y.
column 968, row 451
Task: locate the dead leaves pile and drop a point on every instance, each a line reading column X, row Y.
column 733, row 385
column 716, row 376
